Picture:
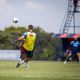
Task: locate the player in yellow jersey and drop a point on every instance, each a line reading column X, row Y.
column 28, row 45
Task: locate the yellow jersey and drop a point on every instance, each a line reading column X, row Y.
column 29, row 41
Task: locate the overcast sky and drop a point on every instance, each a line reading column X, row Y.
column 47, row 14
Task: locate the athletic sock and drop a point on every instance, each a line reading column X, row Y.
column 21, row 62
column 65, row 61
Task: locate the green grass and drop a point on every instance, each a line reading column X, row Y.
column 40, row 70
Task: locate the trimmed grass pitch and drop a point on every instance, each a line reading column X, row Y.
column 40, row 70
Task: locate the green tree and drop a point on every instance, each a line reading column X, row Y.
column 45, row 47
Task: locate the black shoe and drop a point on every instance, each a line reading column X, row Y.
column 18, row 64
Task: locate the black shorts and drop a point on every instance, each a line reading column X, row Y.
column 28, row 54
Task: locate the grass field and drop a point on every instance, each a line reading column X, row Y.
column 40, row 70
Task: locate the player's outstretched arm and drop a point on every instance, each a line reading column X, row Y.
column 20, row 38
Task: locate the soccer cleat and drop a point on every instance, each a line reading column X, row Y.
column 27, row 66
column 18, row 64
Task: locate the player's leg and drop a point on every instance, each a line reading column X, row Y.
column 26, row 59
column 78, row 54
column 27, row 56
column 67, row 58
column 19, row 63
column 22, row 55
column 74, row 57
column 22, row 51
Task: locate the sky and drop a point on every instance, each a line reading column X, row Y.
column 48, row 14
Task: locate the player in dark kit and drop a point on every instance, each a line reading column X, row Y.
column 74, row 50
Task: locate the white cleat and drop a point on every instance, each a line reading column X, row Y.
column 27, row 66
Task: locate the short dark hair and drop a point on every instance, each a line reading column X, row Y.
column 30, row 26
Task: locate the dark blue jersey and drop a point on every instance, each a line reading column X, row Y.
column 75, row 45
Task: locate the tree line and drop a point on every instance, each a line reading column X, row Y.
column 46, row 47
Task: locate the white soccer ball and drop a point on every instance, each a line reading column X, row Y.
column 15, row 20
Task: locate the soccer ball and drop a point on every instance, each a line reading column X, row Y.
column 15, row 20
